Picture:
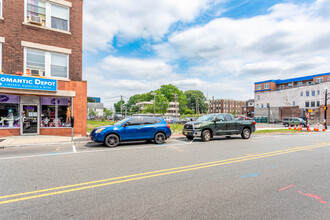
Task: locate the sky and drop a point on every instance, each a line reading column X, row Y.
column 220, row 47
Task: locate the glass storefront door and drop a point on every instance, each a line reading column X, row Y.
column 30, row 119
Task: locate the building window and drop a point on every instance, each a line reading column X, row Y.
column 318, row 92
column 37, row 65
column 266, row 86
column 306, row 104
column 319, row 80
column 299, row 83
column 281, row 87
column 258, row 87
column 312, row 104
column 318, row 103
column 262, row 105
column 258, row 97
column 294, row 103
column 301, row 93
column 257, row 105
column 9, row 111
column 307, row 93
column 56, row 112
column 290, row 85
column 47, row 14
column 313, row 93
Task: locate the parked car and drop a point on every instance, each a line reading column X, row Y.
column 209, row 126
column 131, row 129
column 294, row 121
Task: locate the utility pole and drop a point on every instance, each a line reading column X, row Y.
column 154, row 94
column 175, row 97
column 121, row 104
column 212, row 104
column 326, row 108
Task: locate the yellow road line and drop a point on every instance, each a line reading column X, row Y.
column 152, row 172
column 159, row 174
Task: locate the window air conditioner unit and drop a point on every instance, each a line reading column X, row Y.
column 35, row 72
column 35, row 19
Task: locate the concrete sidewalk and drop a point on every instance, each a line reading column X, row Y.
column 38, row 139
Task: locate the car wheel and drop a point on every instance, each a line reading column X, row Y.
column 111, row 140
column 190, row 137
column 246, row 133
column 160, row 138
column 228, row 136
column 286, row 125
column 206, row 135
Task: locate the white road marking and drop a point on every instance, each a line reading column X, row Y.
column 74, row 148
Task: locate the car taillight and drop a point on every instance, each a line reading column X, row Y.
column 168, row 125
column 254, row 123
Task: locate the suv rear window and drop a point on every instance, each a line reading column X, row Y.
column 150, row 121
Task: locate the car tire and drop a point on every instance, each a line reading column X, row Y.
column 160, row 138
column 246, row 133
column 228, row 136
column 206, row 135
column 190, row 137
column 112, row 140
column 286, row 125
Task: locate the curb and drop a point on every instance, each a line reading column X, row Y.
column 51, row 143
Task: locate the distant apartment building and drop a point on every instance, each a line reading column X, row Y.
column 41, row 84
column 95, row 109
column 173, row 108
column 225, row 106
column 292, row 97
column 248, row 108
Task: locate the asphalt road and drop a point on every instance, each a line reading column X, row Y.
column 265, row 177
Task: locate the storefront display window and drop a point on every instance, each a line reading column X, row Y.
column 9, row 111
column 55, row 112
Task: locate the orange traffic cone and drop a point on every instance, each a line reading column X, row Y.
column 323, row 128
column 295, row 127
column 289, row 127
column 300, row 128
column 317, row 129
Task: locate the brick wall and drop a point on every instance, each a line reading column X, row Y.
column 14, row 31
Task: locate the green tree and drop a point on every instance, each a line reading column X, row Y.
column 107, row 112
column 169, row 90
column 90, row 99
column 117, row 106
column 91, row 112
column 234, row 112
column 162, row 104
column 194, row 96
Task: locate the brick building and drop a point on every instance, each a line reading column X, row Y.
column 41, row 84
column 292, row 97
column 248, row 108
column 225, row 106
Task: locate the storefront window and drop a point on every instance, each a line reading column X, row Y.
column 56, row 112
column 9, row 111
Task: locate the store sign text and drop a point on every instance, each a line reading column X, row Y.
column 22, row 82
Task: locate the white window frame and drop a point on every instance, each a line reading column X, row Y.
column 266, row 86
column 258, row 87
column 319, row 80
column 1, row 16
column 48, row 63
column 48, row 14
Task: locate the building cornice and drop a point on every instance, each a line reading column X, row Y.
column 46, row 47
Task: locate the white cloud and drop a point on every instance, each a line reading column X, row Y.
column 131, row 19
column 226, row 56
column 290, row 39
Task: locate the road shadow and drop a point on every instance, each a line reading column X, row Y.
column 96, row 145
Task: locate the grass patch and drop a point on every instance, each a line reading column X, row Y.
column 177, row 128
column 281, row 131
column 94, row 124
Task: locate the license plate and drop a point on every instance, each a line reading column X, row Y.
column 185, row 132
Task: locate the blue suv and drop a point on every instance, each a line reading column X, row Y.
column 132, row 129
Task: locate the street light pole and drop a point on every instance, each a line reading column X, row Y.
column 154, row 94
column 326, row 108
